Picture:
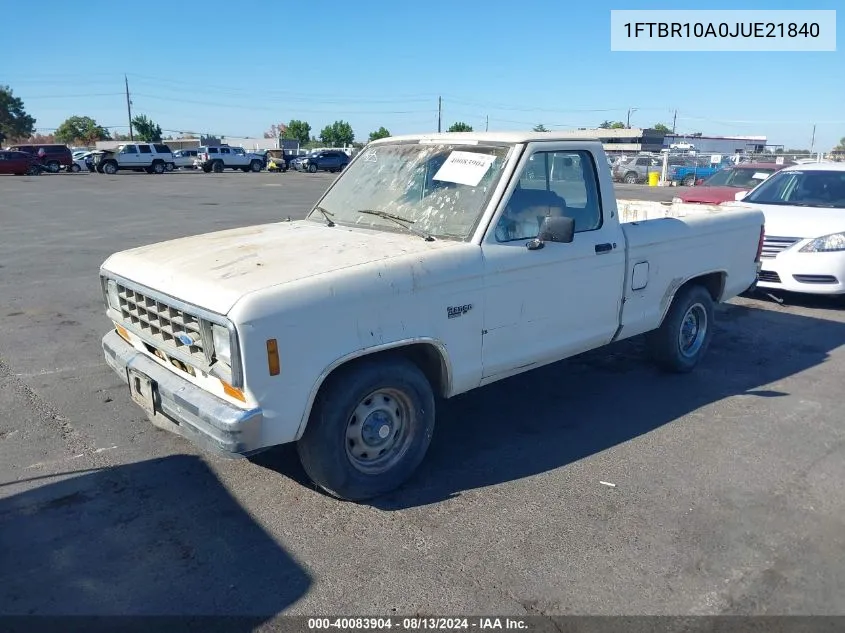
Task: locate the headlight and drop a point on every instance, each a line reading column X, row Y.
column 826, row 244
column 676, row 200
column 222, row 343
column 111, row 293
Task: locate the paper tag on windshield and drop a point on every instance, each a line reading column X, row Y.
column 465, row 168
column 760, row 175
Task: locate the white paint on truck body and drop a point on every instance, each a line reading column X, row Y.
column 490, row 310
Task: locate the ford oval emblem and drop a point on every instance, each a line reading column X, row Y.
column 185, row 339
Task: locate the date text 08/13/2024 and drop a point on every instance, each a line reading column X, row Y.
column 417, row 624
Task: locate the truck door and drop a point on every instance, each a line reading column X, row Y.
column 546, row 304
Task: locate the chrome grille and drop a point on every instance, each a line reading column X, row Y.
column 162, row 323
column 773, row 245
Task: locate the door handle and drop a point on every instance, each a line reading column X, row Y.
column 604, row 248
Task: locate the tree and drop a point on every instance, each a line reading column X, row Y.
column 146, row 130
column 540, row 128
column 659, row 127
column 276, row 130
column 617, row 125
column 382, row 132
column 841, row 146
column 298, row 131
column 460, row 126
column 338, row 134
column 81, row 129
column 14, row 121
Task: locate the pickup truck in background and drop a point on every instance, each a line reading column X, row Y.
column 432, row 265
column 694, row 171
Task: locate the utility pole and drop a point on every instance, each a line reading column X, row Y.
column 129, row 108
column 674, row 120
column 439, row 112
column 628, row 124
column 487, row 123
column 813, row 140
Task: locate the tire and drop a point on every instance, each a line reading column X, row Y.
column 206, row 168
column 690, row 315
column 688, row 181
column 110, row 167
column 337, row 448
column 169, row 167
column 158, row 167
column 255, row 166
column 631, row 178
column 54, row 167
column 217, row 167
column 75, row 168
column 312, row 169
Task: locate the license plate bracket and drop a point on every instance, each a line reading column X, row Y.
column 142, row 390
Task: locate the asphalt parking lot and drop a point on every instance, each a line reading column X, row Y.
column 727, row 495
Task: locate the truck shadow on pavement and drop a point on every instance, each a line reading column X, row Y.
column 559, row 414
column 159, row 537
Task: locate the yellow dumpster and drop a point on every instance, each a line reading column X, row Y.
column 653, row 178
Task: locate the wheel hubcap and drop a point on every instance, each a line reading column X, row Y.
column 693, row 330
column 377, row 431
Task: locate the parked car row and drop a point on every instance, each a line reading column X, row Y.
column 157, row 158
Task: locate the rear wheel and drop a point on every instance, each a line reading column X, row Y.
column 169, row 167
column 631, row 178
column 683, row 338
column 54, row 167
column 110, row 167
column 75, row 168
column 369, row 429
column 688, row 181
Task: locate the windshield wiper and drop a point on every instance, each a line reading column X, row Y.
column 405, row 223
column 326, row 214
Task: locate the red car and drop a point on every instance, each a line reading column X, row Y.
column 726, row 183
column 18, row 163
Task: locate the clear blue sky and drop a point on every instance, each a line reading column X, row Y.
column 234, row 68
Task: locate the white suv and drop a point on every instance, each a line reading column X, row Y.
column 153, row 158
column 216, row 158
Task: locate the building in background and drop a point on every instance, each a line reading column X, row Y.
column 622, row 140
column 719, row 144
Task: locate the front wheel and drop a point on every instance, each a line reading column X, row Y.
column 688, row 181
column 681, row 341
column 312, row 169
column 110, row 168
column 54, row 167
column 75, row 168
column 255, row 166
column 369, row 429
column 631, row 178
column 217, row 167
column 158, row 167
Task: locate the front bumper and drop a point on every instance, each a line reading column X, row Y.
column 187, row 410
column 810, row 273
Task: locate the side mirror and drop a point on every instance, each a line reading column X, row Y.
column 553, row 229
column 740, row 195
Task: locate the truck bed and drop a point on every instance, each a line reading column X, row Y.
column 669, row 243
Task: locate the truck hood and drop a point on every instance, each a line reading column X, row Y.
column 214, row 270
column 802, row 222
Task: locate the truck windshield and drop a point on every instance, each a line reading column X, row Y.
column 441, row 189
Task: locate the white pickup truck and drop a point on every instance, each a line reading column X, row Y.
column 433, row 265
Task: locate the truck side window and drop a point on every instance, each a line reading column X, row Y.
column 552, row 183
